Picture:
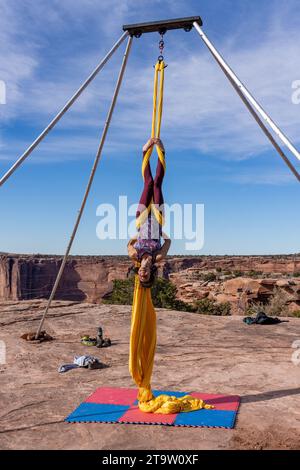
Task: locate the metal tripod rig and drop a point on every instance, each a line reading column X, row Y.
column 136, row 30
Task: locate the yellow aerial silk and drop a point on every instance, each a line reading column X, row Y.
column 155, row 132
column 143, row 320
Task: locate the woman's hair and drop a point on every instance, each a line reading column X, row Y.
column 132, row 270
column 153, row 274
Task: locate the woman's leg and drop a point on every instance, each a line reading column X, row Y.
column 158, row 198
column 158, row 180
column 147, row 193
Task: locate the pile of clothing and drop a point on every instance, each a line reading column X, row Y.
column 261, row 319
column 88, row 362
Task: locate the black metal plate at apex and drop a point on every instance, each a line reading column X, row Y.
column 162, row 26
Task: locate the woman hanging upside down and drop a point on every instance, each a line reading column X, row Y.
column 146, row 248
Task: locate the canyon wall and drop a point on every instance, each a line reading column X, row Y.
column 84, row 278
column 89, row 278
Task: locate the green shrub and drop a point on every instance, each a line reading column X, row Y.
column 211, row 307
column 296, row 314
column 209, row 277
column 238, row 273
column 121, row 293
column 275, row 307
column 296, row 274
column 229, row 273
column 253, row 273
column 163, row 294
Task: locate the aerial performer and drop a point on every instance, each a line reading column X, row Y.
column 145, row 250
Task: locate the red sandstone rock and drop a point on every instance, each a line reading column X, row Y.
column 88, row 278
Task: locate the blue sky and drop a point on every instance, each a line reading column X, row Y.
column 216, row 154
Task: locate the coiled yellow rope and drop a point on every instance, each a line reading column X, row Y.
column 143, row 319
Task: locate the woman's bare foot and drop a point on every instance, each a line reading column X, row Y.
column 158, row 142
column 148, row 144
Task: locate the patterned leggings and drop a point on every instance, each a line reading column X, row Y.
column 152, row 190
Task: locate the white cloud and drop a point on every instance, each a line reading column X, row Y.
column 266, row 176
column 202, row 111
column 17, row 63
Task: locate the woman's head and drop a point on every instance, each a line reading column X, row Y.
column 144, row 271
column 147, row 271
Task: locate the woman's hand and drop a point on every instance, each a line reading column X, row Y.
column 164, row 249
column 132, row 253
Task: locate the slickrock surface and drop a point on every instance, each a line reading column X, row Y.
column 194, row 352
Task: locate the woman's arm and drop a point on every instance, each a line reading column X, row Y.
column 132, row 253
column 164, row 249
